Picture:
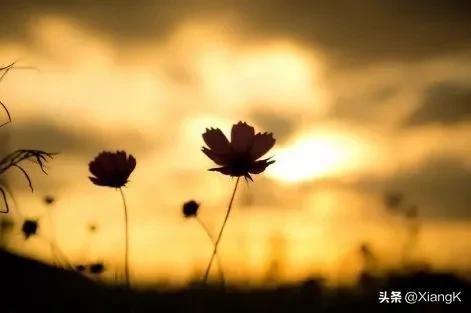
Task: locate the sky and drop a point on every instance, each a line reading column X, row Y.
column 364, row 98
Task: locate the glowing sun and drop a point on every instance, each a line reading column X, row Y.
column 315, row 156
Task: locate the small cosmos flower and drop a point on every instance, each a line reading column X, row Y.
column 80, row 268
column 240, row 156
column 393, row 200
column 96, row 268
column 92, row 228
column 111, row 169
column 29, row 228
column 190, row 208
column 49, row 199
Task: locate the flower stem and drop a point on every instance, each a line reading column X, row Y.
column 218, row 260
column 216, row 244
column 126, row 247
column 58, row 254
column 52, row 241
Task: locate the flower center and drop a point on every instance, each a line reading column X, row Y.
column 240, row 164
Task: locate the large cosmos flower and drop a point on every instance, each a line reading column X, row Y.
column 240, row 156
column 112, row 169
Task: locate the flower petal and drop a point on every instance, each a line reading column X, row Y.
column 248, row 177
column 131, row 164
column 219, row 159
column 96, row 168
column 242, row 136
column 262, row 143
column 97, row 181
column 216, row 140
column 259, row 166
column 226, row 170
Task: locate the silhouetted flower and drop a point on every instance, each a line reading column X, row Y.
column 239, row 157
column 190, row 208
column 393, row 199
column 49, row 200
column 92, row 228
column 30, row 227
column 96, row 268
column 112, row 169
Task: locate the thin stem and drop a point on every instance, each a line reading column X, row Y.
column 218, row 259
column 126, row 234
column 62, row 257
column 216, row 244
column 52, row 241
column 87, row 246
column 5, row 200
column 57, row 251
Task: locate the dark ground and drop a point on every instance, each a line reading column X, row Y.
column 30, row 286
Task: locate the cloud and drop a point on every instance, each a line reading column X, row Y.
column 118, row 19
column 351, row 32
column 439, row 187
column 75, row 145
column 282, row 126
column 81, row 142
column 444, row 103
column 356, row 32
column 366, row 106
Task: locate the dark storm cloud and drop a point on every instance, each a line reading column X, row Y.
column 48, row 136
column 439, row 187
column 444, row 103
column 349, row 31
column 359, row 31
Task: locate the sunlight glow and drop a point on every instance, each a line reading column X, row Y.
column 263, row 76
column 315, row 156
column 155, row 98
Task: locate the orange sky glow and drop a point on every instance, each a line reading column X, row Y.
column 309, row 212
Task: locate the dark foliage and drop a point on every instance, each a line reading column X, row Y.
column 96, row 268
column 29, row 286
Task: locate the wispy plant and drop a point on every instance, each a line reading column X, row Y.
column 16, row 158
column 4, row 70
column 409, row 213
